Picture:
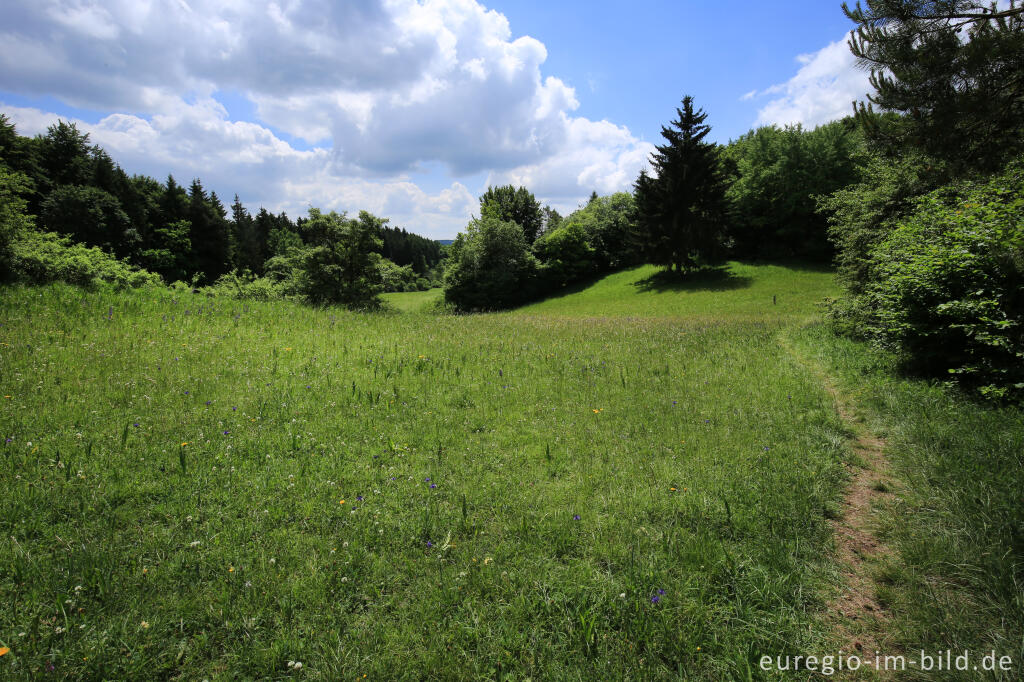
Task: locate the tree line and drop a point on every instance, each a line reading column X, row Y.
column 75, row 190
column 915, row 198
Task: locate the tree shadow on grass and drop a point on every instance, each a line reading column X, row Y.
column 706, row 279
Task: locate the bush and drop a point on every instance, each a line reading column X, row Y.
column 245, row 286
column 566, row 255
column 945, row 285
column 40, row 257
column 490, row 265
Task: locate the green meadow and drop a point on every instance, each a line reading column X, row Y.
column 632, row 480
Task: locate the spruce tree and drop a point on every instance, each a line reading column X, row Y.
column 681, row 211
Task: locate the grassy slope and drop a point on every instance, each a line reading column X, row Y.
column 412, row 301
column 700, row 459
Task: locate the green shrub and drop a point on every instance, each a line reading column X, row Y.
column 490, row 265
column 40, row 257
column 566, row 255
column 946, row 289
column 245, row 286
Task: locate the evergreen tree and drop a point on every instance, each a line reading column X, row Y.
column 953, row 68
column 64, row 155
column 210, row 233
column 681, row 212
column 248, row 251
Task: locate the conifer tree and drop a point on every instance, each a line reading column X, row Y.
column 681, row 211
column 954, row 69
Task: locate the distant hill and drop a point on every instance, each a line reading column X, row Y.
column 444, row 241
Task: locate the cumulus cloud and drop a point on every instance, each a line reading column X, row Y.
column 198, row 140
column 822, row 90
column 378, row 88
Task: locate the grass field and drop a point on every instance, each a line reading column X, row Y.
column 412, row 301
column 633, row 483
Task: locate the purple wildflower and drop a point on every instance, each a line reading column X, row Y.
column 226, row 432
column 429, row 544
column 575, row 517
column 661, row 591
column 234, row 409
column 655, row 599
column 427, row 479
column 209, row 402
column 359, row 498
column 136, row 423
column 433, row 485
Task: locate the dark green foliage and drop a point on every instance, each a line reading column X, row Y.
column 779, row 173
column 248, row 246
column 64, row 156
column 342, row 264
column 517, row 205
column 210, row 233
column 953, row 68
column 14, row 220
column 490, row 265
column 89, row 215
column 406, row 248
column 946, row 285
column 168, row 252
column 680, row 212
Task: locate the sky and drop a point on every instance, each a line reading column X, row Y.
column 410, row 109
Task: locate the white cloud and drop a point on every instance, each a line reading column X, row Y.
column 822, row 90
column 382, row 88
column 197, row 140
column 599, row 156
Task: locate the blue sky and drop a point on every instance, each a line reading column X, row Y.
column 410, row 109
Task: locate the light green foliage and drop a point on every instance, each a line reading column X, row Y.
column 39, row 257
column 861, row 214
column 566, row 255
column 490, row 265
column 210, row 541
column 946, row 287
column 400, row 277
column 609, row 224
column 779, row 172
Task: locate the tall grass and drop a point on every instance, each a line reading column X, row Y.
column 200, row 488
column 956, row 580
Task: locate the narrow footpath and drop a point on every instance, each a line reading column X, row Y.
column 859, row 623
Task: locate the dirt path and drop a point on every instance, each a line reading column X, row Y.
column 858, row 621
